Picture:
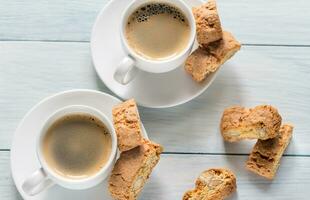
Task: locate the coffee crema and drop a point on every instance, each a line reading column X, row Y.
column 77, row 146
column 157, row 31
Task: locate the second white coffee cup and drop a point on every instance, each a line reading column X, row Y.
column 45, row 177
column 131, row 64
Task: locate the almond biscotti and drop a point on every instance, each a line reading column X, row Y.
column 127, row 125
column 204, row 61
column 261, row 122
column 266, row 154
column 213, row 184
column 208, row 24
column 132, row 170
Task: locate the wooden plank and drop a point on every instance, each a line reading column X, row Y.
column 258, row 21
column 267, row 22
column 7, row 188
column 48, row 20
column 279, row 76
column 176, row 173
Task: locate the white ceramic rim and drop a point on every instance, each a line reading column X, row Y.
column 96, row 66
column 132, row 53
column 50, row 120
column 35, row 107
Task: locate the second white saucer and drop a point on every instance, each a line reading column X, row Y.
column 23, row 154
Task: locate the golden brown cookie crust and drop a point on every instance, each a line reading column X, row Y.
column 213, row 184
column 132, row 170
column 204, row 61
column 225, row 48
column 208, row 24
column 265, row 157
column 127, row 125
column 239, row 123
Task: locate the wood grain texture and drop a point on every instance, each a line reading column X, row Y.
column 176, row 173
column 279, row 76
column 257, row 21
column 48, row 20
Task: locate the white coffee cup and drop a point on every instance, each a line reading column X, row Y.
column 45, row 177
column 132, row 63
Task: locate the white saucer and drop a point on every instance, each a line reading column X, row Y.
column 23, row 155
column 149, row 90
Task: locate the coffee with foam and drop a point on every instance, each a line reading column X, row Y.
column 157, row 31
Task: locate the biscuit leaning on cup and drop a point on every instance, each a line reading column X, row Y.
column 208, row 24
column 138, row 155
column 127, row 125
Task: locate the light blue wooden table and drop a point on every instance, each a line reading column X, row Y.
column 44, row 49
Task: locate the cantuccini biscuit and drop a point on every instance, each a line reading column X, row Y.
column 208, row 24
column 127, row 125
column 213, row 184
column 261, row 122
column 204, row 61
column 266, row 154
column 132, row 170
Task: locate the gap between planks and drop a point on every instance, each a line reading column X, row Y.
column 87, row 41
column 209, row 154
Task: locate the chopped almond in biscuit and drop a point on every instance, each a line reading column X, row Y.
column 239, row 123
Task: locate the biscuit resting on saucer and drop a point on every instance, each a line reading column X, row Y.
column 206, row 60
column 132, row 170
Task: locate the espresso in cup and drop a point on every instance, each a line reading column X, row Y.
column 77, row 146
column 157, row 31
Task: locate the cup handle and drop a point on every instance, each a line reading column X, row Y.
column 36, row 183
column 126, row 71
